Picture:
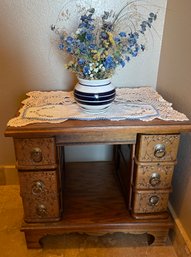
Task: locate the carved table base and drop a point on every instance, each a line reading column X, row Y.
column 33, row 238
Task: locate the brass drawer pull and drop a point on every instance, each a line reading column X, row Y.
column 37, row 187
column 36, row 154
column 155, row 179
column 159, row 150
column 153, row 200
column 41, row 210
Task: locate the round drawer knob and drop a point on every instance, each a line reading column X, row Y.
column 155, row 179
column 36, row 154
column 37, row 187
column 41, row 210
column 159, row 150
column 153, row 200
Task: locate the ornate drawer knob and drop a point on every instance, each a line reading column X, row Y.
column 36, row 154
column 41, row 210
column 153, row 200
column 159, row 150
column 38, row 187
column 155, row 179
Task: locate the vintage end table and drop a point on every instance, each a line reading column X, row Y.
column 129, row 194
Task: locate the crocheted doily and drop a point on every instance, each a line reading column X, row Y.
column 142, row 103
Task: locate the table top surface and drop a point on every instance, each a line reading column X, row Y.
column 76, row 126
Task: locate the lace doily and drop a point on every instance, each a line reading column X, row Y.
column 142, row 103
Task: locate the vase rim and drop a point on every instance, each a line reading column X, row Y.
column 95, row 82
column 100, row 80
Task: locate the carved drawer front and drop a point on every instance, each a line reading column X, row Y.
column 153, row 175
column 35, row 153
column 41, row 196
column 157, row 147
column 150, row 201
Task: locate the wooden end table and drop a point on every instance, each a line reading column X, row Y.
column 129, row 194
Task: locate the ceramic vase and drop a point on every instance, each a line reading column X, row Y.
column 94, row 95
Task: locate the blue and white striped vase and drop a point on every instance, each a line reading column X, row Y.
column 94, row 95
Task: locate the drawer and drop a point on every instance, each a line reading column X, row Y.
column 157, row 147
column 150, row 201
column 41, row 210
column 153, row 175
column 35, row 153
column 38, row 183
column 40, row 195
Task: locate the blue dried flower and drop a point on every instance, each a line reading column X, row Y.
column 91, row 27
column 127, row 58
column 82, row 25
column 134, row 54
column 150, row 20
column 109, row 62
column 153, row 16
column 86, row 70
column 117, row 40
column 83, row 48
column 121, row 61
column 136, row 35
column 105, row 16
column 104, row 35
column 81, row 61
column 69, row 40
column 132, row 40
column 84, row 18
column 142, row 47
column 69, row 49
column 61, row 46
column 92, row 46
column 122, row 34
column 89, row 36
column 92, row 10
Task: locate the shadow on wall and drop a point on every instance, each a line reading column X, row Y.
column 181, row 177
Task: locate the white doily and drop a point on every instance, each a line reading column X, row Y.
column 142, row 103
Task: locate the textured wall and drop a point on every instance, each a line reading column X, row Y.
column 174, row 82
column 29, row 61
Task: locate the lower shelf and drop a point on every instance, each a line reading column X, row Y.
column 93, row 203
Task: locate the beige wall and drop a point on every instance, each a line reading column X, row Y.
column 25, row 59
column 28, row 60
column 174, row 83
